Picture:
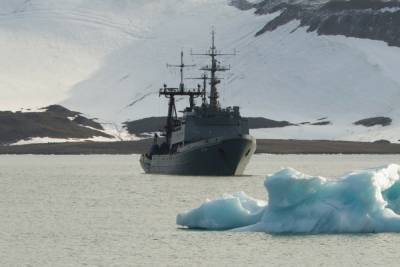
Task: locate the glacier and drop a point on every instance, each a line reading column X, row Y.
column 363, row 201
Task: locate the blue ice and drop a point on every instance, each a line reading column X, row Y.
column 366, row 201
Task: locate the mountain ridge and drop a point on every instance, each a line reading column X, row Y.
column 367, row 19
column 98, row 57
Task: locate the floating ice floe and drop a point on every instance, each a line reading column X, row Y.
column 365, row 201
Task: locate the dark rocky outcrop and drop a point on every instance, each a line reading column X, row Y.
column 260, row 123
column 369, row 19
column 289, row 13
column 369, row 122
column 54, row 122
column 88, row 122
column 78, row 118
column 321, row 123
column 241, row 4
column 60, row 110
column 146, row 125
column 382, row 141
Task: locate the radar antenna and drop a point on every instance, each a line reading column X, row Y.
column 181, row 67
column 204, row 78
column 213, row 69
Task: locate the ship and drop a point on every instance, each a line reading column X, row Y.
column 207, row 140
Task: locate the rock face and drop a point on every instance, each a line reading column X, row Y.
column 382, row 142
column 321, row 123
column 370, row 19
column 54, row 122
column 147, row 125
column 242, row 4
column 261, row 123
column 369, row 122
column 77, row 117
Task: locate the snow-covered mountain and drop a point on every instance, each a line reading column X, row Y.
column 295, row 63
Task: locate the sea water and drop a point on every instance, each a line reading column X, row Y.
column 103, row 211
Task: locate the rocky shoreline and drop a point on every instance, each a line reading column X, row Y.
column 269, row 146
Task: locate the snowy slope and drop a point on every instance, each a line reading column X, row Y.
column 48, row 47
column 100, row 56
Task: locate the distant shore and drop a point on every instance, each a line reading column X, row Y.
column 270, row 146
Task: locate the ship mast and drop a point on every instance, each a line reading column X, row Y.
column 171, row 92
column 213, row 69
column 181, row 68
column 204, row 78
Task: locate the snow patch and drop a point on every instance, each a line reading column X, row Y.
column 50, row 140
column 119, row 133
column 336, row 131
column 72, row 118
column 389, row 9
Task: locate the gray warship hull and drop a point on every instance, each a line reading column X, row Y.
column 212, row 157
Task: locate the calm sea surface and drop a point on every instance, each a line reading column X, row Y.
column 103, row 211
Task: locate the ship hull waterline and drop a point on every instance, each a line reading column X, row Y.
column 213, row 157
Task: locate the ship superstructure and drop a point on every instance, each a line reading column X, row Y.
column 207, row 139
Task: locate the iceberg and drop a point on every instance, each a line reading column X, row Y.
column 228, row 212
column 364, row 201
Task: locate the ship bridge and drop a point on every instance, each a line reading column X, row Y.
column 204, row 123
